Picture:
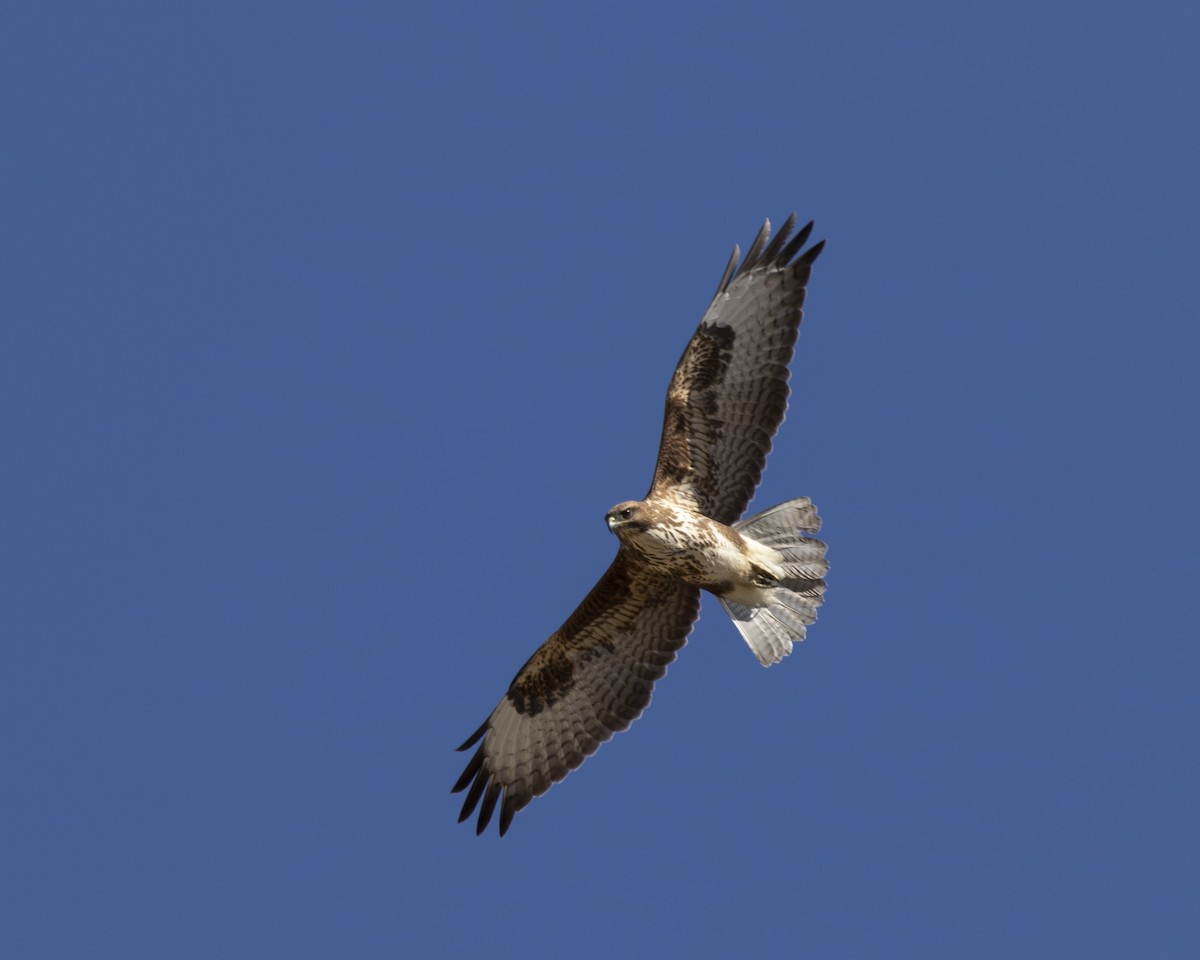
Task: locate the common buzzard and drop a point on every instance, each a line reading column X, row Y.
column 594, row 676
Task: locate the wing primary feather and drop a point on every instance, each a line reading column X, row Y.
column 812, row 253
column 798, row 241
column 507, row 810
column 486, row 808
column 466, row 811
column 474, row 738
column 729, row 268
column 469, row 773
column 481, row 780
column 769, row 255
column 756, row 248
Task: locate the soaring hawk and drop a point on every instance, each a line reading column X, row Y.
column 593, row 677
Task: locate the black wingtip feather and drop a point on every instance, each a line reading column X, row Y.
column 469, row 773
column 772, row 252
column 813, row 252
column 506, row 813
column 766, row 250
column 796, row 243
column 481, row 781
column 486, row 808
column 473, row 738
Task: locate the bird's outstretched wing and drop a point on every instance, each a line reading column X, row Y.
column 730, row 389
column 591, row 679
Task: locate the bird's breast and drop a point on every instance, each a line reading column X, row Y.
column 696, row 550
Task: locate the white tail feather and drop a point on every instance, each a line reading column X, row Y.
column 781, row 521
column 772, row 626
column 770, row 630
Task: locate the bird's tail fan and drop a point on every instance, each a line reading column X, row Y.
column 789, row 605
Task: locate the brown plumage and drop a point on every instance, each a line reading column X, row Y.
column 594, row 675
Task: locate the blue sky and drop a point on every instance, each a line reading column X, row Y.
column 333, row 330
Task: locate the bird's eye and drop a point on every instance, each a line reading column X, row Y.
column 627, row 513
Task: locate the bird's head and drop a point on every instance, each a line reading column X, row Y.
column 630, row 515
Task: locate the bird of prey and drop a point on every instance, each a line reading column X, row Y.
column 593, row 677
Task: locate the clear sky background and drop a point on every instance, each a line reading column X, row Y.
column 331, row 331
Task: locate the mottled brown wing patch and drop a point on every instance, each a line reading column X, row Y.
column 543, row 681
column 589, row 680
column 690, row 428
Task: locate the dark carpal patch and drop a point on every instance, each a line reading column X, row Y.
column 710, row 353
column 542, row 684
column 692, row 401
column 674, row 459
